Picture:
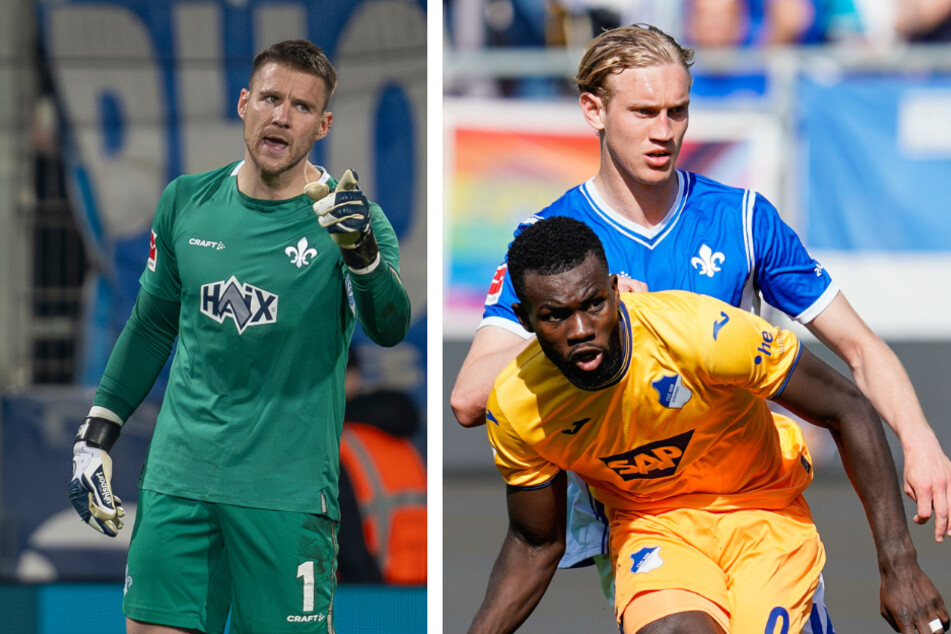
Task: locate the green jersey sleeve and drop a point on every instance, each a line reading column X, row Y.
column 139, row 355
column 381, row 301
column 161, row 276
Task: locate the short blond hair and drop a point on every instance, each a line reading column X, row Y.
column 633, row 46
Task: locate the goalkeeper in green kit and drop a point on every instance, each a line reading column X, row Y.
column 238, row 496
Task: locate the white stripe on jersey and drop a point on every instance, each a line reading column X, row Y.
column 649, row 238
column 750, row 299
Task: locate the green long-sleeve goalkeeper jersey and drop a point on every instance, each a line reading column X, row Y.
column 254, row 406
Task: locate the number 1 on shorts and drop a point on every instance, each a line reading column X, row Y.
column 306, row 570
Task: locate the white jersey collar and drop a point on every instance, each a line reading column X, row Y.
column 602, row 207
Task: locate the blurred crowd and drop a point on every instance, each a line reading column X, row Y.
column 473, row 25
column 698, row 23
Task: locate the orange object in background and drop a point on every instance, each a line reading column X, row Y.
column 389, row 479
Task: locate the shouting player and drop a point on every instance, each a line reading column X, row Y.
column 659, row 402
column 672, row 229
column 238, row 497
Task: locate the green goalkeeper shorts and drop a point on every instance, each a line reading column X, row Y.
column 192, row 561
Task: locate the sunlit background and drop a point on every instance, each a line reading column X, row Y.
column 838, row 111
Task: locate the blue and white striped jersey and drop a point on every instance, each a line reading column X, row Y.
column 716, row 240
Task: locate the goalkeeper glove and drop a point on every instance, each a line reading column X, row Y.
column 345, row 213
column 90, row 490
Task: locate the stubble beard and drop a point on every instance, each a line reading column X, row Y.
column 595, row 379
column 268, row 172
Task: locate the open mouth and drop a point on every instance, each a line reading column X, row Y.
column 275, row 144
column 588, row 359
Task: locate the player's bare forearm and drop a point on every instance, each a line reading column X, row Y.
column 518, row 581
column 529, row 557
column 824, row 397
column 880, row 376
column 927, row 472
column 491, row 350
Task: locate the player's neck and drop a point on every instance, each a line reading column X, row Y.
column 646, row 204
column 253, row 182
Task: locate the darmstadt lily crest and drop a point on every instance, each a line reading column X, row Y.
column 708, row 262
column 299, row 255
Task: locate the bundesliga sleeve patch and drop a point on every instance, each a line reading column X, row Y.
column 153, row 253
column 495, row 289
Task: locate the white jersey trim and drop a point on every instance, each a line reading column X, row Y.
column 750, row 298
column 819, row 305
column 650, row 238
column 749, row 204
column 324, row 174
column 505, row 324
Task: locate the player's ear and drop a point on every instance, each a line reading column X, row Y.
column 522, row 314
column 325, row 120
column 592, row 107
column 243, row 102
column 615, row 288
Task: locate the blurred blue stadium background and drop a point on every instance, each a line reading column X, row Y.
column 104, row 102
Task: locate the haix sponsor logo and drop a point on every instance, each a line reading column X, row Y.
column 209, row 244
column 247, row 305
column 306, row 618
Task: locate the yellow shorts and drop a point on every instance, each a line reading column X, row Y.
column 761, row 568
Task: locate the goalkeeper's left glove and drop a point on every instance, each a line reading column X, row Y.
column 90, row 489
column 345, row 213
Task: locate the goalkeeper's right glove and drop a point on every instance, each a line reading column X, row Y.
column 345, row 213
column 90, row 489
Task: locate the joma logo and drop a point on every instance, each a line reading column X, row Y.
column 655, row 460
column 247, row 305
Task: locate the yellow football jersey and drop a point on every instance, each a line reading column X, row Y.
column 687, row 425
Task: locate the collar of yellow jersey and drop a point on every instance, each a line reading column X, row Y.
column 624, row 321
